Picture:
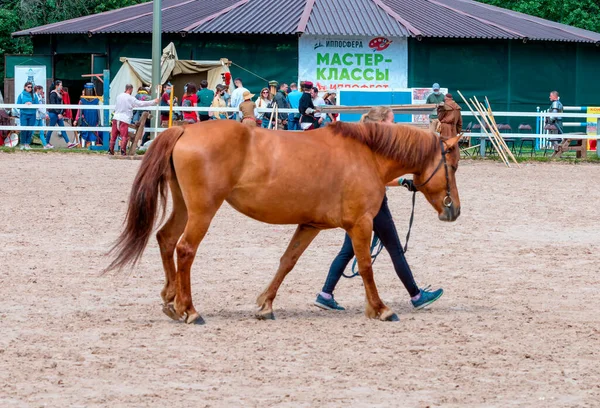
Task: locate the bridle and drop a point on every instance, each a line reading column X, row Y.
column 448, row 199
column 377, row 245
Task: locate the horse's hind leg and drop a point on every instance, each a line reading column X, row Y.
column 167, row 238
column 302, row 238
column 361, row 238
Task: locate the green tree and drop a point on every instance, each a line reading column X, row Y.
column 107, row 5
column 9, row 23
column 577, row 13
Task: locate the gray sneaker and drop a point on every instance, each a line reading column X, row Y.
column 327, row 304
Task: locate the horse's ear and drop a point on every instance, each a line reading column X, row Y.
column 451, row 143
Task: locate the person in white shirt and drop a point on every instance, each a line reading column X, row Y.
column 122, row 117
column 237, row 96
column 318, row 101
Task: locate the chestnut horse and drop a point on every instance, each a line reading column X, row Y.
column 332, row 177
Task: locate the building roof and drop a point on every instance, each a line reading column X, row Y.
column 401, row 18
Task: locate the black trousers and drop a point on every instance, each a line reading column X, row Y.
column 384, row 227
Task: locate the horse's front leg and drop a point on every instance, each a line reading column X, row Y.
column 302, row 238
column 361, row 238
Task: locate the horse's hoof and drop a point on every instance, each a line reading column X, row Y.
column 392, row 318
column 169, row 310
column 195, row 318
column 389, row 316
column 265, row 316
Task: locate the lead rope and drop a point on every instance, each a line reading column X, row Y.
column 376, row 240
column 376, row 243
column 410, row 223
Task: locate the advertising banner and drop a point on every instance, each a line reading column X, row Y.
column 353, row 62
column 29, row 73
column 592, row 126
column 419, row 96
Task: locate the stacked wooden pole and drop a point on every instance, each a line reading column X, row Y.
column 487, row 122
column 493, row 119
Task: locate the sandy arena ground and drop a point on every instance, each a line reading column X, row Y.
column 519, row 324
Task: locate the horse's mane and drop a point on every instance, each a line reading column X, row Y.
column 403, row 143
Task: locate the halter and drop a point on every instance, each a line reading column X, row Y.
column 448, row 199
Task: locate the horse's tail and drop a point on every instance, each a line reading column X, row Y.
column 151, row 180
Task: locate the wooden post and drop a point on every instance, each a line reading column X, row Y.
column 138, row 133
column 491, row 115
column 481, row 124
column 494, row 126
column 171, row 107
column 492, row 132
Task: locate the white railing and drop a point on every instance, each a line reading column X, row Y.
column 145, row 108
column 155, row 109
column 541, row 116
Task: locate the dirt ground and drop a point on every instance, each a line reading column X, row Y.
column 518, row 324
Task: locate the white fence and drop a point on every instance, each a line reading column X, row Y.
column 540, row 116
column 154, row 109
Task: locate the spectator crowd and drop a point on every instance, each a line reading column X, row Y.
column 304, row 101
column 247, row 104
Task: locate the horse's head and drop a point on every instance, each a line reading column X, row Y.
column 437, row 180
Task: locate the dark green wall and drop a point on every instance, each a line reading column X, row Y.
column 515, row 76
column 270, row 57
column 10, row 61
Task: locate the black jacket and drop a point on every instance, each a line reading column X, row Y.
column 55, row 99
column 306, row 102
column 282, row 103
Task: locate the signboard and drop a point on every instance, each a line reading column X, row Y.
column 353, row 62
column 374, row 97
column 419, row 96
column 592, row 123
column 36, row 74
column 592, row 126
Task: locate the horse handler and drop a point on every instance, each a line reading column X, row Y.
column 450, row 118
column 122, row 117
column 385, row 229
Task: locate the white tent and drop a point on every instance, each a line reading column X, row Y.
column 138, row 72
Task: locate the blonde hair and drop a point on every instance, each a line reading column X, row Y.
column 376, row 114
